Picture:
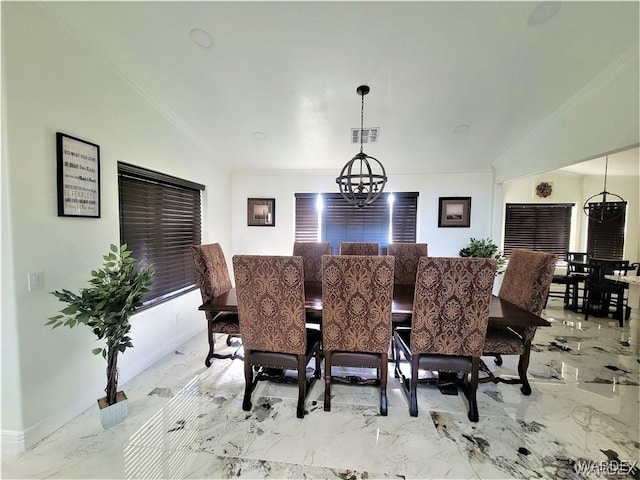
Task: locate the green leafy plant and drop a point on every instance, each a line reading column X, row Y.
column 117, row 290
column 484, row 248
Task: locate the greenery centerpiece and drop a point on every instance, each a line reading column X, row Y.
column 484, row 248
column 117, row 290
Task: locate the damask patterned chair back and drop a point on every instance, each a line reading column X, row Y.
column 270, row 291
column 357, row 295
column 407, row 256
column 312, row 253
column 212, row 276
column 451, row 305
column 526, row 284
column 527, row 279
column 358, row 248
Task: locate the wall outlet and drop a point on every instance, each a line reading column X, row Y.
column 35, row 280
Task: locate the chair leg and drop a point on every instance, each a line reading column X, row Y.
column 498, row 359
column 318, row 370
column 383, row 384
column 327, row 381
column 248, row 381
column 471, row 390
column 523, row 365
column 212, row 343
column 396, row 358
column 302, row 385
column 413, row 387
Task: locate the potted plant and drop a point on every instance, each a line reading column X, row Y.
column 484, row 248
column 116, row 291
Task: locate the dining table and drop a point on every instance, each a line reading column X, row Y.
column 501, row 312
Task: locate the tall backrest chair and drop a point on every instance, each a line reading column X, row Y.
column 525, row 284
column 603, row 292
column 357, row 294
column 407, row 256
column 450, row 317
column 270, row 291
column 358, row 248
column 311, row 253
column 212, row 276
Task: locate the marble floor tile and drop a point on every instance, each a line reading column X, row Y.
column 186, row 421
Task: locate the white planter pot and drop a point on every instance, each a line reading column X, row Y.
column 111, row 415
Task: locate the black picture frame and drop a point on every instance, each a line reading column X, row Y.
column 78, row 165
column 454, row 212
column 261, row 212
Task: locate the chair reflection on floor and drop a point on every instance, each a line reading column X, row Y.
column 270, row 292
column 357, row 295
column 212, row 276
column 450, row 317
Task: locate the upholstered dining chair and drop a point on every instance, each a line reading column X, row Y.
column 212, row 276
column 357, row 295
column 525, row 284
column 311, row 253
column 358, row 248
column 407, row 256
column 270, row 292
column 450, row 318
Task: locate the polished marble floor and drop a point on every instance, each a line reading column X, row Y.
column 186, row 421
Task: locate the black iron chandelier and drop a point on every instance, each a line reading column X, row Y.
column 605, row 210
column 363, row 178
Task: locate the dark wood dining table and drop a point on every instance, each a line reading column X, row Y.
column 501, row 312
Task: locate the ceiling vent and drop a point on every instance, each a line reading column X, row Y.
column 369, row 135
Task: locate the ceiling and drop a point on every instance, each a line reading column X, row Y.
column 625, row 163
column 453, row 84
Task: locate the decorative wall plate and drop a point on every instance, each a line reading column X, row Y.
column 543, row 189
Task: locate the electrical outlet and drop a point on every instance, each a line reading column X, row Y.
column 35, row 280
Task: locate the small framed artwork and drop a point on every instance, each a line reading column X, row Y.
column 454, row 212
column 78, row 177
column 261, row 212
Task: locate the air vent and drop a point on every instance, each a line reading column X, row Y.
column 369, row 135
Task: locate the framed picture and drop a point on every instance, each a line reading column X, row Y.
column 261, row 212
column 78, row 177
column 454, row 212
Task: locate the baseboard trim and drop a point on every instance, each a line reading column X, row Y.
column 12, row 441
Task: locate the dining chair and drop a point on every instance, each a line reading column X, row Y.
column 407, row 256
column 311, row 253
column 270, row 293
column 212, row 276
column 525, row 284
column 357, row 295
column 603, row 292
column 450, row 317
column 358, row 248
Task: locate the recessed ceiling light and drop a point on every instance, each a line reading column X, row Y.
column 259, row 135
column 201, row 38
column 544, row 12
column 462, row 128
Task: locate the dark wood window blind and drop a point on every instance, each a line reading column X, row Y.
column 605, row 239
column 545, row 227
column 160, row 219
column 342, row 222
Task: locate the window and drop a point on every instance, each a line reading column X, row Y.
column 160, row 219
column 606, row 239
column 328, row 217
column 544, row 227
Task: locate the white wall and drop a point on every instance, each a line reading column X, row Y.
column 53, row 82
column 576, row 189
column 282, row 186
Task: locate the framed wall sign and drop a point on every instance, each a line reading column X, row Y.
column 78, row 177
column 261, row 212
column 454, row 212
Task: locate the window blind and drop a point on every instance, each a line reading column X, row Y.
column 606, row 239
column 160, row 219
column 545, row 227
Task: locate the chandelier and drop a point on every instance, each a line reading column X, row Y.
column 604, row 211
column 363, row 178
